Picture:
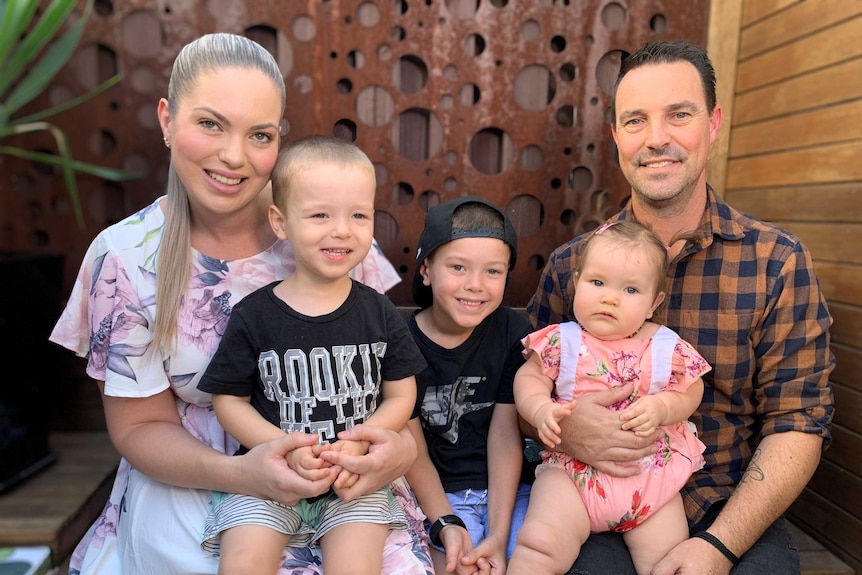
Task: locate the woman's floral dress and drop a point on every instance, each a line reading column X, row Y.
column 581, row 364
column 147, row 526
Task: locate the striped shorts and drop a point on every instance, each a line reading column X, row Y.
column 306, row 522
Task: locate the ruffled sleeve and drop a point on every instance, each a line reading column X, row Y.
column 109, row 315
column 546, row 344
column 72, row 331
column 687, row 366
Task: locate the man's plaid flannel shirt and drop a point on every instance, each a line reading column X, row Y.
column 746, row 296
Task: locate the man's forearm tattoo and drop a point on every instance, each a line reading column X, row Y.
column 754, row 471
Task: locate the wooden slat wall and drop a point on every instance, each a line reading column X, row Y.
column 794, row 157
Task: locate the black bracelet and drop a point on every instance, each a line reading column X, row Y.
column 442, row 522
column 716, row 542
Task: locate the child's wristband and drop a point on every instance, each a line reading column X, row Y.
column 716, row 542
column 442, row 522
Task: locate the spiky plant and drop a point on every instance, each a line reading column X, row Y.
column 32, row 52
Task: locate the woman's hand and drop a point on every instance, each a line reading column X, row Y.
column 347, row 479
column 389, row 457
column 141, row 427
column 265, row 473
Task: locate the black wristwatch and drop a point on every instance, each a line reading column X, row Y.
column 442, row 522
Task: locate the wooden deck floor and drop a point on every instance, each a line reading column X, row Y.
column 56, row 506
column 816, row 559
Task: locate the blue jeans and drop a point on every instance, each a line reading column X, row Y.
column 775, row 553
column 472, row 507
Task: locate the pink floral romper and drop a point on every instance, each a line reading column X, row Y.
column 581, row 364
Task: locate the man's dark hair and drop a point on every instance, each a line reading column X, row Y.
column 669, row 53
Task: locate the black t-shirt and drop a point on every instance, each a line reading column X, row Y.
column 457, row 392
column 312, row 374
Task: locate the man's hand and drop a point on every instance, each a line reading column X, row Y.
column 592, row 434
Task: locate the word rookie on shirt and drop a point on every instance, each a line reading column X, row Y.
column 347, row 379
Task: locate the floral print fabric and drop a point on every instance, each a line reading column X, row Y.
column 614, row 503
column 109, row 320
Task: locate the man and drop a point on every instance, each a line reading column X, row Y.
column 745, row 294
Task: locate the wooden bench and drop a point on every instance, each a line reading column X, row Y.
column 57, row 506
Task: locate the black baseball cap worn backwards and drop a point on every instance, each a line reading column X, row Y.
column 438, row 231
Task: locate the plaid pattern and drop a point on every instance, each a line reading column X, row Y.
column 745, row 295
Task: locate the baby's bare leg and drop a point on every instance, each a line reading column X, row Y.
column 554, row 529
column 252, row 549
column 354, row 549
column 650, row 541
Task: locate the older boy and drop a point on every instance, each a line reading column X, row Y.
column 470, row 449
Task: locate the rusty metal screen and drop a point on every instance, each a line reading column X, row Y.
column 504, row 99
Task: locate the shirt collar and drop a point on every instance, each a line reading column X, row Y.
column 719, row 219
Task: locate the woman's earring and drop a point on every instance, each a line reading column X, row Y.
column 167, row 143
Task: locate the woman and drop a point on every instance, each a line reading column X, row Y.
column 211, row 243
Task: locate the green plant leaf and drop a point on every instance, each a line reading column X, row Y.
column 26, row 44
column 111, row 174
column 112, row 81
column 36, row 39
column 69, row 177
column 64, row 160
column 16, row 16
column 44, row 71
